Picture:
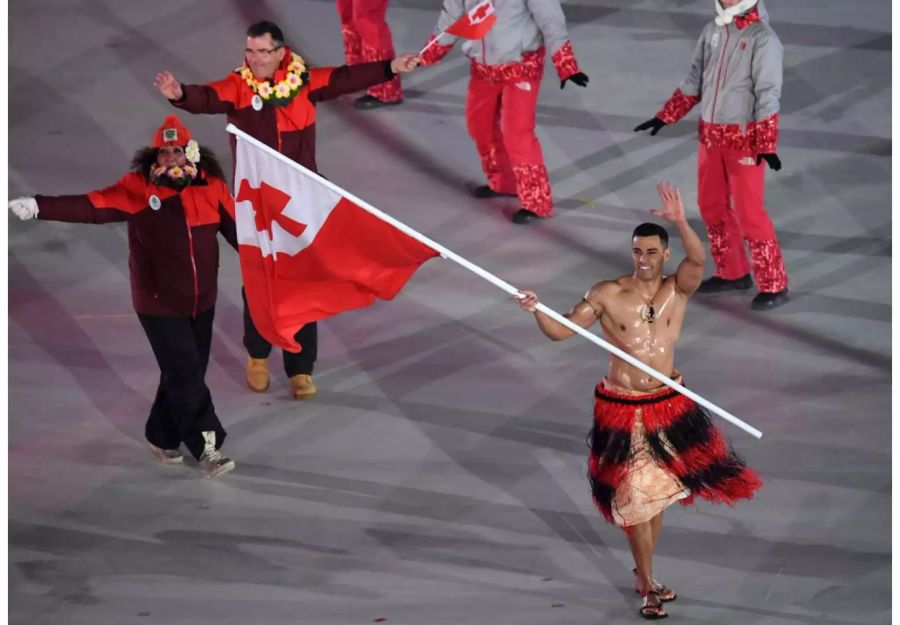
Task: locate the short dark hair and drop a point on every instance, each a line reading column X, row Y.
column 261, row 28
column 648, row 229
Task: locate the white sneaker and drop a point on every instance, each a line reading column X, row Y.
column 167, row 456
column 212, row 462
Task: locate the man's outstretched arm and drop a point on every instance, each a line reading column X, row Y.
column 327, row 83
column 690, row 271
column 584, row 313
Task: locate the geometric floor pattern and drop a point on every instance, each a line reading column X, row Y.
column 439, row 476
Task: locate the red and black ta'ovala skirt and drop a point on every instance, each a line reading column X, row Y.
column 680, row 438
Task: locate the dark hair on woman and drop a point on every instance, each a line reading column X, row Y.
column 145, row 158
column 648, row 229
column 261, row 28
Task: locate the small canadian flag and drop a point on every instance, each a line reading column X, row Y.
column 476, row 23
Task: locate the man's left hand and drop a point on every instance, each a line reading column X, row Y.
column 581, row 79
column 527, row 300
column 405, row 63
column 772, row 159
column 673, row 207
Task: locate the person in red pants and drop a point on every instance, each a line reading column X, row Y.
column 736, row 78
column 367, row 38
column 506, row 72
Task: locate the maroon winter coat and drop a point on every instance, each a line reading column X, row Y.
column 173, row 250
column 290, row 129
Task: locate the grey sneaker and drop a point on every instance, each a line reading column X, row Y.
column 212, row 462
column 167, row 456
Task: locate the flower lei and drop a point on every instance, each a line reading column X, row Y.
column 174, row 176
column 283, row 91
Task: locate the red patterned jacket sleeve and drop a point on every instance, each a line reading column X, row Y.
column 677, row 107
column 435, row 52
column 764, row 135
column 564, row 61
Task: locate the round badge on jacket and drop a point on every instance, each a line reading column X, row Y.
column 155, row 202
column 256, row 102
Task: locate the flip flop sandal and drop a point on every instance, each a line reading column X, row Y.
column 665, row 594
column 650, row 611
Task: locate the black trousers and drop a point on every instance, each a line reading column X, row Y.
column 294, row 364
column 183, row 407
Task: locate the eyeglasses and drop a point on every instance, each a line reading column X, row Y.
column 263, row 52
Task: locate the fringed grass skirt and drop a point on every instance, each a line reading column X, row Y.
column 651, row 449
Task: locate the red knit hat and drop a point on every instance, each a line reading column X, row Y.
column 172, row 132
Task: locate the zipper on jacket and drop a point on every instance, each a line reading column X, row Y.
column 193, row 264
column 712, row 115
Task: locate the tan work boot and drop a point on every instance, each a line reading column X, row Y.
column 302, row 386
column 258, row 374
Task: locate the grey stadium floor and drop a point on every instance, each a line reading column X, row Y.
column 439, row 476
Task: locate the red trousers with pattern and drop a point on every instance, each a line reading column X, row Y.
column 500, row 117
column 368, row 38
column 730, row 193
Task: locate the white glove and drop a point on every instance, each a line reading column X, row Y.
column 24, row 207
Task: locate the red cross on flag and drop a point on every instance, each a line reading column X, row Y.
column 307, row 251
column 476, row 23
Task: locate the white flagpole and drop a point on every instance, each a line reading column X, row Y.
column 432, row 42
column 498, row 282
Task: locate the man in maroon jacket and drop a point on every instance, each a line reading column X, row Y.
column 175, row 201
column 273, row 98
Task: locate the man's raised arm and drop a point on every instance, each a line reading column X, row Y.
column 690, row 270
column 212, row 99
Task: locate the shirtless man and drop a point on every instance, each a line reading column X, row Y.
column 650, row 445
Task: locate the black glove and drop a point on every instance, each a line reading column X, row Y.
column 771, row 158
column 581, row 79
column 656, row 123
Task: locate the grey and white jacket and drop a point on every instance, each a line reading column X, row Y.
column 736, row 77
column 515, row 46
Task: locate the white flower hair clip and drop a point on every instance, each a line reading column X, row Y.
column 192, row 151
